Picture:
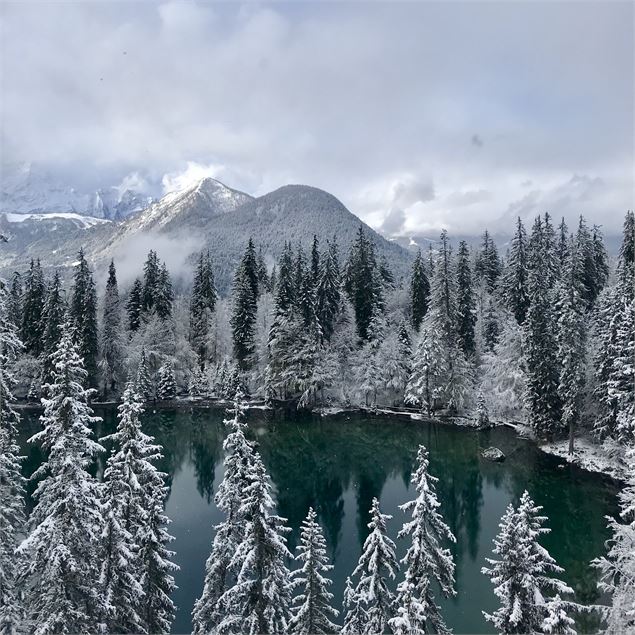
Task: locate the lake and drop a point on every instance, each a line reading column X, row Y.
column 338, row 464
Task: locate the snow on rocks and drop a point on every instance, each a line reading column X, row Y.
column 493, row 454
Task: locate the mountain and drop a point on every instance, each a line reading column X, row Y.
column 27, row 188
column 210, row 214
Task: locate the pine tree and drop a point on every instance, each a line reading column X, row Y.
column 54, row 317
column 482, row 413
column 32, row 327
column 362, row 282
column 488, row 265
column 112, row 353
column 260, row 600
column 155, row 564
column 12, row 515
column 465, row 305
column 613, row 363
column 315, row 261
column 202, row 306
column 541, row 347
column 15, row 300
column 591, row 256
column 523, row 572
column 124, row 516
column 618, row 567
column 166, row 382
column 571, row 336
column 491, row 326
column 165, row 294
column 426, row 560
column 550, row 251
column 601, row 258
column 562, row 248
column 312, row 612
column 354, row 614
column 626, row 263
column 143, row 383
column 243, row 319
column 426, row 383
column 59, row 553
column 328, row 291
column 151, row 282
column 83, row 311
column 376, row 563
column 419, row 291
column 237, row 476
column 134, row 306
column 515, row 291
column 264, row 282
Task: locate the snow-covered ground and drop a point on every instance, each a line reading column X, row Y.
column 607, row 458
column 84, row 221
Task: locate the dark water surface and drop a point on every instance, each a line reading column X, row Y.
column 338, row 464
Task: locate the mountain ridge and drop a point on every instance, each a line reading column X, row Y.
column 209, row 214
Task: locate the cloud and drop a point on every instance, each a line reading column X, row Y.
column 193, row 173
column 357, row 103
column 476, row 141
column 394, row 222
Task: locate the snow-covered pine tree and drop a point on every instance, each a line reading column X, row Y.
column 165, row 295
column 540, row 347
column 426, row 383
column 60, row 564
column 238, row 475
column 155, row 565
column 426, row 560
column 370, row 375
column 83, row 312
column 264, row 282
column 362, row 282
column 482, row 413
column 354, row 614
column 260, row 599
column 491, row 326
column 124, row 516
column 591, row 279
column 243, row 319
column 419, row 291
column 515, row 284
column 202, row 306
column 166, row 382
column 112, row 352
column 376, row 563
column 151, row 281
column 549, row 251
column 613, row 362
column 134, row 305
column 562, row 248
column 328, row 291
column 33, row 300
column 465, row 304
column 15, row 300
column 601, row 258
column 312, row 611
column 12, row 516
column 618, row 567
column 557, row 620
column 524, row 572
column 571, row 336
column 488, row 265
column 143, row 381
column 54, row 317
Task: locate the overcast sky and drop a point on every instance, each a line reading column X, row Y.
column 417, row 115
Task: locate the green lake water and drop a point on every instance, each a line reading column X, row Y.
column 338, row 464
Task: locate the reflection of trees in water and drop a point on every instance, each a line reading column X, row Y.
column 206, row 450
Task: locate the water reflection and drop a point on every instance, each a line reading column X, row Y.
column 338, row 465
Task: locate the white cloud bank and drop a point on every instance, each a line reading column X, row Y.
column 416, row 115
